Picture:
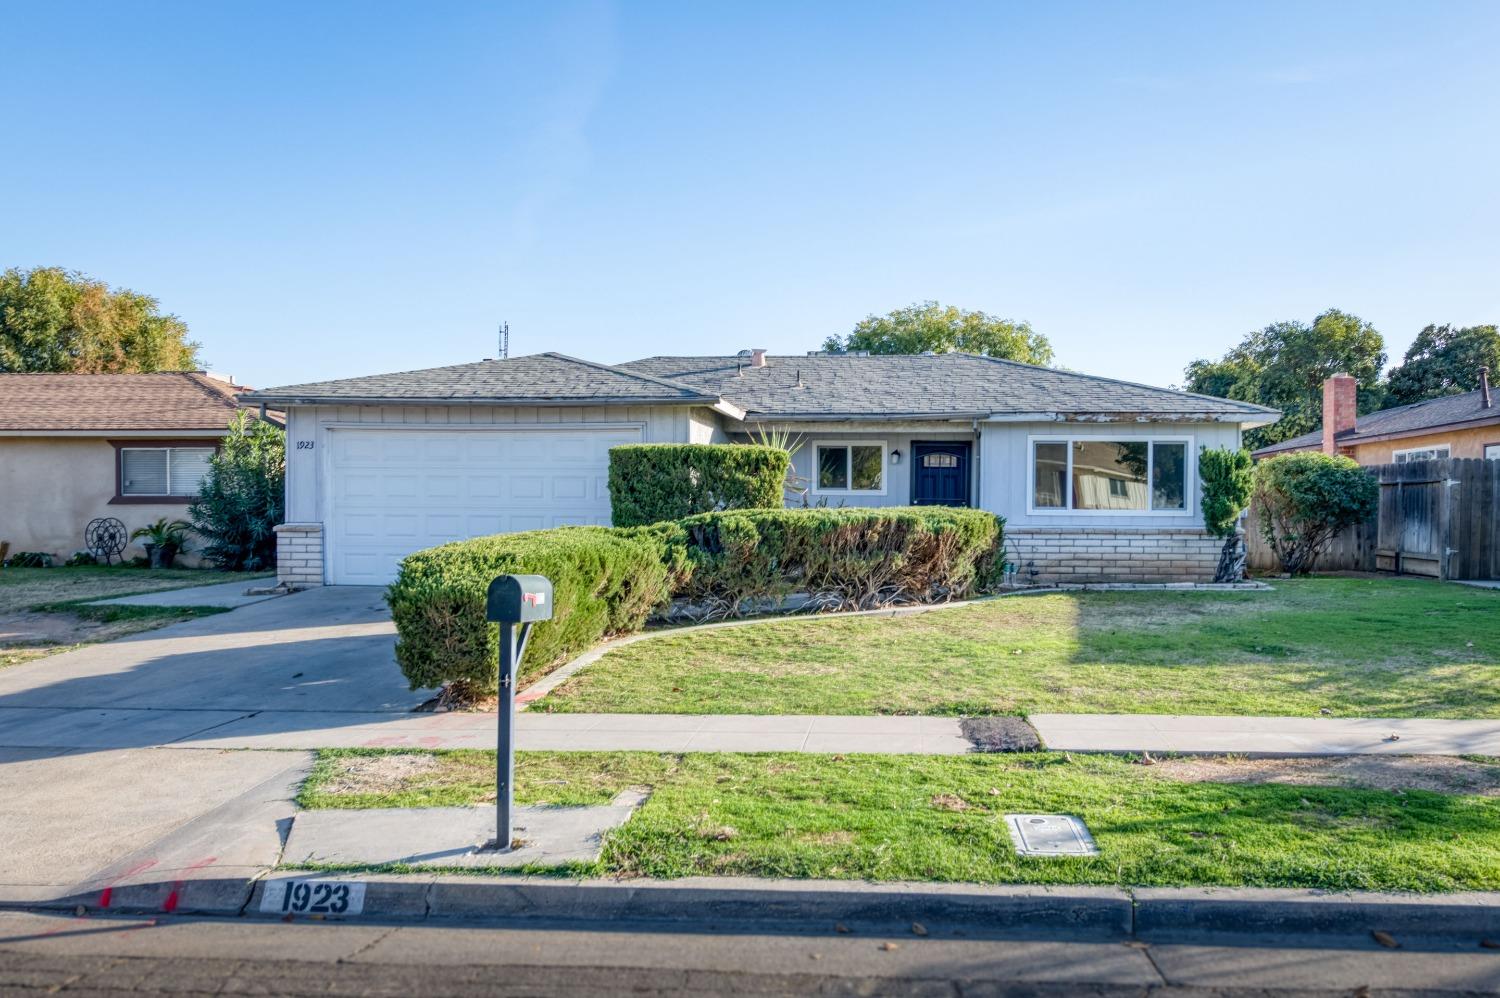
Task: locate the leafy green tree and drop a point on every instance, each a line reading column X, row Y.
column 241, row 498
column 928, row 326
column 1445, row 361
column 1284, row 366
column 1305, row 499
column 1227, row 477
column 53, row 320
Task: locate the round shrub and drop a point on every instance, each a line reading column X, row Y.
column 1304, row 500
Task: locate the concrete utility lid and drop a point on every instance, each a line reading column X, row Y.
column 1050, row 835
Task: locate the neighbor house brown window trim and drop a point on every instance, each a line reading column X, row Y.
column 120, row 446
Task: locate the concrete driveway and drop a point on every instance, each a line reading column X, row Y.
column 310, row 661
column 105, row 782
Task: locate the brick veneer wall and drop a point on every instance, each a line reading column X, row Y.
column 299, row 554
column 1113, row 554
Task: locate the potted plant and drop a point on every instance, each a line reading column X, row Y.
column 163, row 541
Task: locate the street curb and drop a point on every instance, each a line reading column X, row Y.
column 703, row 901
column 1271, row 910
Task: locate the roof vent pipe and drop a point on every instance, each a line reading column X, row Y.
column 757, row 358
column 1484, row 387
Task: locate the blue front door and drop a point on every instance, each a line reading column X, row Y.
column 940, row 474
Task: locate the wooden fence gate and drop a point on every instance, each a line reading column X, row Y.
column 1436, row 518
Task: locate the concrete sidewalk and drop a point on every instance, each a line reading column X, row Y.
column 226, row 594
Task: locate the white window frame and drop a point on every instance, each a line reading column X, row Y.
column 1492, row 452
column 1189, row 475
column 885, row 467
column 120, row 457
column 1406, row 455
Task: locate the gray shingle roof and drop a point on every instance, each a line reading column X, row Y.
column 1419, row 417
column 938, row 385
column 537, row 379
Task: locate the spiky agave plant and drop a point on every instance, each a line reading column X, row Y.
column 796, row 487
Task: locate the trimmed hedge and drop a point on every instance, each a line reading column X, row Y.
column 603, row 582
column 649, row 483
column 608, row 580
column 842, row 558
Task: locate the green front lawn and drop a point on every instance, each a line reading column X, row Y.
column 1353, row 646
column 939, row 818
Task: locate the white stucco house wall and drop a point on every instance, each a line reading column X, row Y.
column 1096, row 478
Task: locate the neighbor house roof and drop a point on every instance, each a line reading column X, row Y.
column 170, row 402
column 946, row 385
column 1403, row 421
column 538, row 379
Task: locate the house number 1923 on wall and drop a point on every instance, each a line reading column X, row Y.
column 304, row 445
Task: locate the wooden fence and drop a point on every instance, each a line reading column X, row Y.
column 1436, row 518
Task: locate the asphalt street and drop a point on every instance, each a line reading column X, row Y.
column 61, row 953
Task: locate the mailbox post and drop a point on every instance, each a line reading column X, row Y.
column 514, row 600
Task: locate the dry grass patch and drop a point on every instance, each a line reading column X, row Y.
column 1435, row 773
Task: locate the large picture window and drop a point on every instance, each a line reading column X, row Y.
column 1101, row 475
column 850, row 467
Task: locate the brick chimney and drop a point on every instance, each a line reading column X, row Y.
column 1340, row 408
column 757, row 358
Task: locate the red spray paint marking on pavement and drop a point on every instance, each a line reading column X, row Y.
column 109, row 889
column 170, row 905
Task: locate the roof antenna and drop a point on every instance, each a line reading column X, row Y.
column 504, row 340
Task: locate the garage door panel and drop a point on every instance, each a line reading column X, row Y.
column 395, row 491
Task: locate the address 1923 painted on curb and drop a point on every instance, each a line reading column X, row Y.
column 340, row 898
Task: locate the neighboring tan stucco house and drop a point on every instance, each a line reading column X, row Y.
column 1097, row 478
column 78, row 446
column 1457, row 426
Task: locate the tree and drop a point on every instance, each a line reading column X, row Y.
column 1305, row 499
column 52, row 320
column 1444, row 361
column 240, row 500
column 928, row 326
column 1227, row 477
column 1284, row 366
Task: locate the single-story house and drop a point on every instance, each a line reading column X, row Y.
column 74, row 447
column 1097, row 478
column 1466, row 425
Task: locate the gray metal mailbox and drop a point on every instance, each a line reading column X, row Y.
column 519, row 599
column 513, row 600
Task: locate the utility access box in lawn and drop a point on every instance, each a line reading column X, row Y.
column 519, row 599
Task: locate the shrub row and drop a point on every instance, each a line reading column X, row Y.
column 842, row 558
column 649, row 483
column 608, row 580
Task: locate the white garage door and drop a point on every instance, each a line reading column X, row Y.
column 393, row 491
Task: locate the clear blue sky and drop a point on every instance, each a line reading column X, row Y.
column 325, row 190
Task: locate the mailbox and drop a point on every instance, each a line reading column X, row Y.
column 515, row 602
column 519, row 599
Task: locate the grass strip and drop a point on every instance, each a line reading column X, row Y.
column 940, row 819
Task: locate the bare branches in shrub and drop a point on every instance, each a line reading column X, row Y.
column 649, row 483
column 845, row 559
column 1304, row 500
column 1227, row 477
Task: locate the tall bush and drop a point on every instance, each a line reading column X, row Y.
column 242, row 496
column 649, row 483
column 603, row 582
column 735, row 562
column 1227, row 477
column 1304, row 500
